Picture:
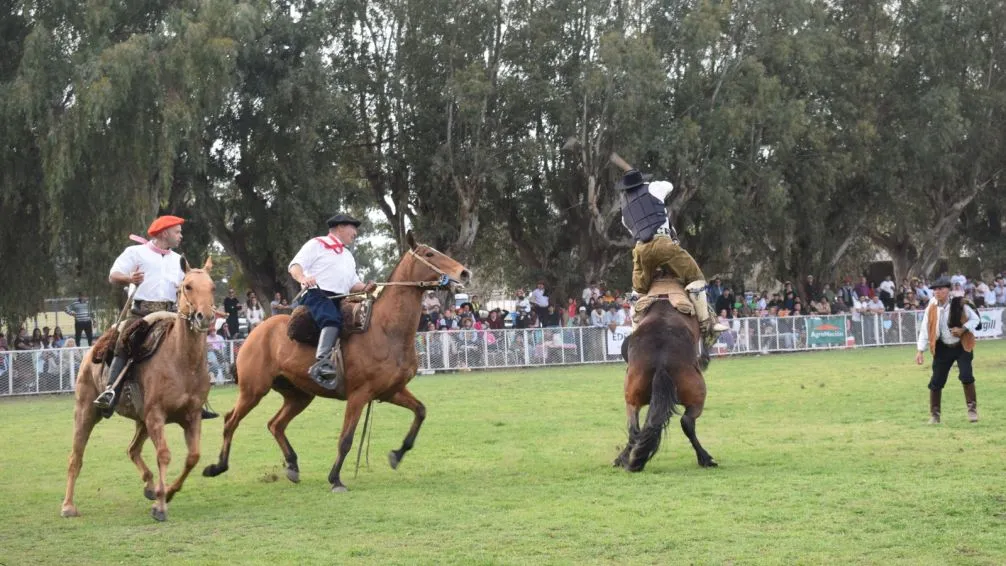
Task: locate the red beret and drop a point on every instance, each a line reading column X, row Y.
column 163, row 223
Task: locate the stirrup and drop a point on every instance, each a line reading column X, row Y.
column 105, row 400
column 325, row 374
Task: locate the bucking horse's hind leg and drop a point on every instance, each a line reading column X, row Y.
column 354, row 406
column 85, row 416
column 692, row 413
column 632, row 416
column 405, row 398
column 193, row 432
column 135, row 452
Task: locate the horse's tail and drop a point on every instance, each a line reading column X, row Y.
column 663, row 399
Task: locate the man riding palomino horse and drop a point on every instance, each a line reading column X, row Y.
column 156, row 271
column 326, row 268
column 645, row 216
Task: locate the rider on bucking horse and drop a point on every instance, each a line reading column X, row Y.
column 156, row 270
column 324, row 266
column 644, row 214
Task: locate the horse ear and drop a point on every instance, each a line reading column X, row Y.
column 185, row 264
column 208, row 265
column 410, row 239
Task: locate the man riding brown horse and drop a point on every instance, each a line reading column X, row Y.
column 325, row 267
column 645, row 216
column 155, row 269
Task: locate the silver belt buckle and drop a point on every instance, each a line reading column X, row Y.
column 663, row 231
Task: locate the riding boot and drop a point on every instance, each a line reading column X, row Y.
column 208, row 412
column 323, row 372
column 707, row 321
column 106, row 401
column 971, row 398
column 934, row 406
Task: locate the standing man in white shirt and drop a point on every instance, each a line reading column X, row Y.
column 540, row 300
column 645, row 216
column 156, row 270
column 948, row 344
column 325, row 267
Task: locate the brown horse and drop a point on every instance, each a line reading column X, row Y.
column 379, row 363
column 663, row 372
column 175, row 382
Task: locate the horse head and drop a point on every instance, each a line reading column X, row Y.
column 195, row 296
column 431, row 265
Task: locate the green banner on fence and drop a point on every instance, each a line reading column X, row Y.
column 826, row 331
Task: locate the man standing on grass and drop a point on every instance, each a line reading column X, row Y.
column 948, row 341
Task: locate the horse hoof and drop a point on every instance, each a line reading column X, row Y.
column 339, row 489
column 709, row 464
column 293, row 475
column 149, row 493
column 213, row 470
column 159, row 516
column 394, row 460
column 69, row 511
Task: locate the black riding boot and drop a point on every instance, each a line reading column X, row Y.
column 323, row 372
column 106, row 401
column 208, row 412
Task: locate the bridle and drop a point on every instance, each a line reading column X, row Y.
column 194, row 325
column 443, row 281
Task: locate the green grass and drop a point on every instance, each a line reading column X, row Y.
column 824, row 458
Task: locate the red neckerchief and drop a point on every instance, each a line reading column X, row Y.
column 149, row 244
column 336, row 246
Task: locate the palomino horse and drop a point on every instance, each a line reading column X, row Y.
column 175, row 382
column 379, row 363
column 663, row 372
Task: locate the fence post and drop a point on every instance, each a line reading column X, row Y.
column 877, row 323
column 901, row 336
column 73, row 370
column 579, row 333
column 60, row 368
column 10, row 373
column 527, row 349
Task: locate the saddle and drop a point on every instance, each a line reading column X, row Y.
column 665, row 288
column 355, row 316
column 140, row 340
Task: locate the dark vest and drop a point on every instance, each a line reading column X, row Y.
column 643, row 213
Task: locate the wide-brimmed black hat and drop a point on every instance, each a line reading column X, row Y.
column 632, row 179
column 342, row 219
column 941, row 282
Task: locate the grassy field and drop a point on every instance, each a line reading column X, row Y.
column 824, row 458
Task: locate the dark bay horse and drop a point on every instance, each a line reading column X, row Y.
column 379, row 363
column 663, row 372
column 175, row 382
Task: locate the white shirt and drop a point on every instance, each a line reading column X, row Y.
column 942, row 327
column 335, row 272
column 586, row 295
column 524, row 305
column 254, row 315
column 539, row 298
column 887, row 286
column 659, row 189
column 161, row 273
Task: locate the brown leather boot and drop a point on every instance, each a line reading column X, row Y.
column 970, row 397
column 934, row 406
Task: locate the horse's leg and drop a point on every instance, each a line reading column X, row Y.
column 294, row 403
column 405, row 398
column 135, row 453
column 247, row 400
column 155, row 428
column 632, row 418
column 354, row 406
column 85, row 416
column 692, row 413
column 193, row 432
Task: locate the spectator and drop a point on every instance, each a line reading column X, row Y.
column 80, row 310
column 581, row 318
column 827, row 294
column 495, row 321
column 449, row 321
column 886, row 294
column 762, row 302
column 714, row 291
column 726, row 302
column 425, row 320
column 215, row 352
column 57, row 338
column 875, row 306
column 551, row 317
column 539, row 298
column 232, row 306
column 1000, row 291
column 571, row 309
column 587, row 293
column 848, row 293
column 37, row 341
column 862, row 289
column 597, row 316
column 811, row 289
column 254, row 314
column 523, row 304
column 279, row 305
column 988, row 294
column 798, row 309
column 468, row 343
column 22, row 341
column 475, row 306
column 431, row 301
column 790, row 301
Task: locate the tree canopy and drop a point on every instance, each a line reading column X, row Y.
column 800, row 135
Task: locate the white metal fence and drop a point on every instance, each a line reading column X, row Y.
column 54, row 371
